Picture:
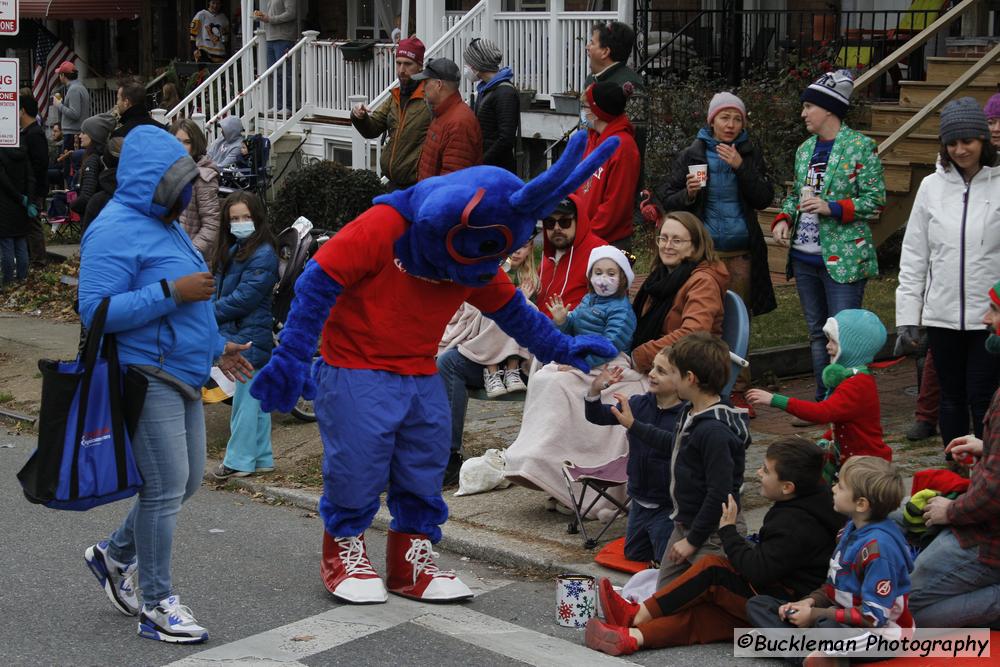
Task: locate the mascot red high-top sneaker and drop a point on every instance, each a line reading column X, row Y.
column 411, row 572
column 348, row 573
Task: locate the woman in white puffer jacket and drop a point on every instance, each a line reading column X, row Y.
column 950, row 258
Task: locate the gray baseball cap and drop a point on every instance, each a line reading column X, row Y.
column 439, row 68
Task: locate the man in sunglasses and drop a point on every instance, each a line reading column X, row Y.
column 567, row 245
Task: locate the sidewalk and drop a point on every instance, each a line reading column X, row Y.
column 510, row 526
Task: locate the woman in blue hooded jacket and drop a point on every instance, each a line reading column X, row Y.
column 245, row 265
column 136, row 253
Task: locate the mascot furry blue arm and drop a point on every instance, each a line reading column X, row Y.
column 460, row 228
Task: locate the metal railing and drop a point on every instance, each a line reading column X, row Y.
column 734, row 43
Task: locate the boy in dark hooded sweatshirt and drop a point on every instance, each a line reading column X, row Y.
column 708, row 601
column 708, row 450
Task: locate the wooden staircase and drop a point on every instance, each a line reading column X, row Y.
column 913, row 157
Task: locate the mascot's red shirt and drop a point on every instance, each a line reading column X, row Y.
column 386, row 319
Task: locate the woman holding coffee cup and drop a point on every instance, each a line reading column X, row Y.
column 721, row 177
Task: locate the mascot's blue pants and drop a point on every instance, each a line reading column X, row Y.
column 382, row 430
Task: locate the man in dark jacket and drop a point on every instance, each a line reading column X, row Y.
column 496, row 104
column 16, row 211
column 404, row 116
column 33, row 141
column 608, row 49
column 454, row 140
column 131, row 108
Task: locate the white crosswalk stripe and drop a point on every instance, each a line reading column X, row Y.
column 289, row 644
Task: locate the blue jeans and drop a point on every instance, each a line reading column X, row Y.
column 951, row 588
column 648, row 532
column 379, row 430
column 13, row 258
column 169, row 448
column 249, row 445
column 458, row 374
column 275, row 49
column 823, row 297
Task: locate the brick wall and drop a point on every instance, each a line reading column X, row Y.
column 970, row 47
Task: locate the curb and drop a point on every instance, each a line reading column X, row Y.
column 461, row 539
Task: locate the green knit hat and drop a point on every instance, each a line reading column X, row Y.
column 995, row 293
column 859, row 334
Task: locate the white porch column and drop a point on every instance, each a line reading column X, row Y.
column 404, row 20
column 557, row 50
column 246, row 22
column 310, row 71
column 81, row 47
column 429, row 15
column 626, row 12
column 489, row 22
column 359, row 145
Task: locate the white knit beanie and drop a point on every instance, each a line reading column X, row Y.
column 616, row 256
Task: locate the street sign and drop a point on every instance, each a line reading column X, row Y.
column 10, row 125
column 8, row 17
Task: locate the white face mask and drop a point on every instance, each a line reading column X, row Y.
column 470, row 73
column 604, row 285
column 242, row 229
column 585, row 120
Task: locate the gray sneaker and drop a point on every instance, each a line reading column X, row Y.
column 118, row 583
column 170, row 621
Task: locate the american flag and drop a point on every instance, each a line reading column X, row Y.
column 48, row 54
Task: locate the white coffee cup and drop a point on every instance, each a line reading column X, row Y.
column 701, row 172
column 576, row 599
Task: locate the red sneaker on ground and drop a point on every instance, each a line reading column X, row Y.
column 347, row 572
column 617, row 610
column 609, row 639
column 740, row 401
column 411, row 572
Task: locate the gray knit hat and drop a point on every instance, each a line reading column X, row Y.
column 483, row 55
column 99, row 128
column 963, row 119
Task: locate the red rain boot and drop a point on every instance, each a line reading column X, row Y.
column 348, row 573
column 411, row 572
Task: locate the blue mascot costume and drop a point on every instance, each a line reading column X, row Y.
column 382, row 292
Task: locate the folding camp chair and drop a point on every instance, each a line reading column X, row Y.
column 736, row 333
column 599, row 479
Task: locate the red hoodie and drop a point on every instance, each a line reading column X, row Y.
column 609, row 194
column 568, row 276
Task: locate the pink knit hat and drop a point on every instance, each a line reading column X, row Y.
column 722, row 101
column 992, row 108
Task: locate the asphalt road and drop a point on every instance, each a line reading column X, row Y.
column 250, row 573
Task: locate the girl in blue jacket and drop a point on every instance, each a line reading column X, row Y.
column 245, row 265
column 605, row 310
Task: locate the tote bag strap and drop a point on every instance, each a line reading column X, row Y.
column 90, row 352
column 115, row 376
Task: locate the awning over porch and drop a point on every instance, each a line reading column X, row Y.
column 79, row 9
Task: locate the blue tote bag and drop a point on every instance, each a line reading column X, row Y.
column 88, row 415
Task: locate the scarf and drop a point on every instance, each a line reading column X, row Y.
column 661, row 286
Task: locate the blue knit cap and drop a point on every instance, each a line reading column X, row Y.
column 860, row 335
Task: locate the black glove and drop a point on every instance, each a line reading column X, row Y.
column 907, row 340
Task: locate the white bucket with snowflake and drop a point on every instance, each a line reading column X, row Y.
column 576, row 599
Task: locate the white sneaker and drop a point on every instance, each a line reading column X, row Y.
column 117, row 580
column 512, row 380
column 494, row 384
column 170, row 621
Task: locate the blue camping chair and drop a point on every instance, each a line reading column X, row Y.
column 736, row 333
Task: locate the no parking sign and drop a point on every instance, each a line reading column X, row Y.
column 10, row 126
column 8, row 17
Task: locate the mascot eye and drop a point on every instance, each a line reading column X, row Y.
column 489, row 247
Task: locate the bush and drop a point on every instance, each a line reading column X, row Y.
column 327, row 193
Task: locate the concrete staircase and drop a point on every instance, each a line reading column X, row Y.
column 913, row 158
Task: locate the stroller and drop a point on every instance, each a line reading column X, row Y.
column 255, row 175
column 296, row 245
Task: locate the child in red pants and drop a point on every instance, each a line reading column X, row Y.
column 707, row 601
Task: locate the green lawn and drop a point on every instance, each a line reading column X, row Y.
column 785, row 325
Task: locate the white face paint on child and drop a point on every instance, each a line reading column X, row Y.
column 605, row 276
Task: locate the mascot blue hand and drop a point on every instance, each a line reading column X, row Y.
column 280, row 383
column 586, row 345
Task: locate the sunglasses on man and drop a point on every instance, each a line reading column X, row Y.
column 550, row 223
